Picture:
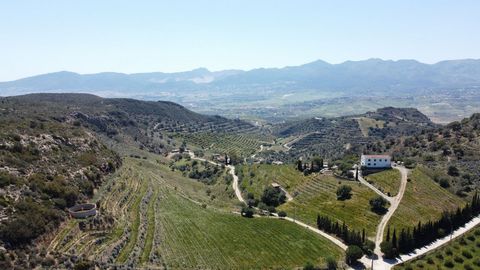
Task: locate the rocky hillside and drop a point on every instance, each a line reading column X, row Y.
column 451, row 152
column 54, row 154
column 46, row 165
column 141, row 123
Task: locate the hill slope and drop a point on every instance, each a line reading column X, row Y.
column 143, row 123
column 333, row 137
column 45, row 166
column 451, row 153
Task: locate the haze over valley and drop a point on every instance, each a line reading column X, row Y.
column 445, row 91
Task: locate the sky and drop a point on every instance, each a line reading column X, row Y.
column 87, row 36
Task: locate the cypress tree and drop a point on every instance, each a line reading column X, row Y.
column 388, row 234
column 299, row 165
column 394, row 239
column 402, row 241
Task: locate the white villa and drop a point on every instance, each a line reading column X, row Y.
column 376, row 161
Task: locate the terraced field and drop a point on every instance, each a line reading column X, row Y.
column 318, row 196
column 462, row 253
column 423, row 200
column 331, row 140
column 387, row 181
column 164, row 220
column 202, row 124
column 240, row 144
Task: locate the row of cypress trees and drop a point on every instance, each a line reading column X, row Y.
column 423, row 234
column 350, row 237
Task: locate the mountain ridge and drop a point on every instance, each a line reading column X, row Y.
column 350, row 76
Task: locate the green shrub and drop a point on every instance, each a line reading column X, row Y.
column 87, row 159
column 331, row 263
column 273, row 196
column 353, row 254
column 458, row 259
column 7, row 179
column 344, row 192
column 29, row 221
column 309, row 266
column 84, row 265
column 449, row 264
column 368, row 247
column 467, row 254
column 453, row 171
column 247, row 212
column 378, row 204
column 444, row 183
column 388, row 250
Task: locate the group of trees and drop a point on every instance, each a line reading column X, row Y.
column 273, row 196
column 316, row 164
column 201, row 171
column 207, row 175
column 424, row 234
column 350, row 237
column 357, row 241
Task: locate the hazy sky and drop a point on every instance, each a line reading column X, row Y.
column 138, row 36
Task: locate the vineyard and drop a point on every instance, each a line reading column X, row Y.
column 313, row 194
column 387, row 181
column 194, row 237
column 423, row 200
column 319, row 197
column 152, row 217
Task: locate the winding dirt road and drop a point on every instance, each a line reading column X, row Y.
column 372, row 187
column 377, row 262
column 394, row 202
column 235, row 186
column 238, row 193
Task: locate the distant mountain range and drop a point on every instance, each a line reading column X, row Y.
column 372, row 76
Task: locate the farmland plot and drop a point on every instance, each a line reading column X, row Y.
column 164, row 220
